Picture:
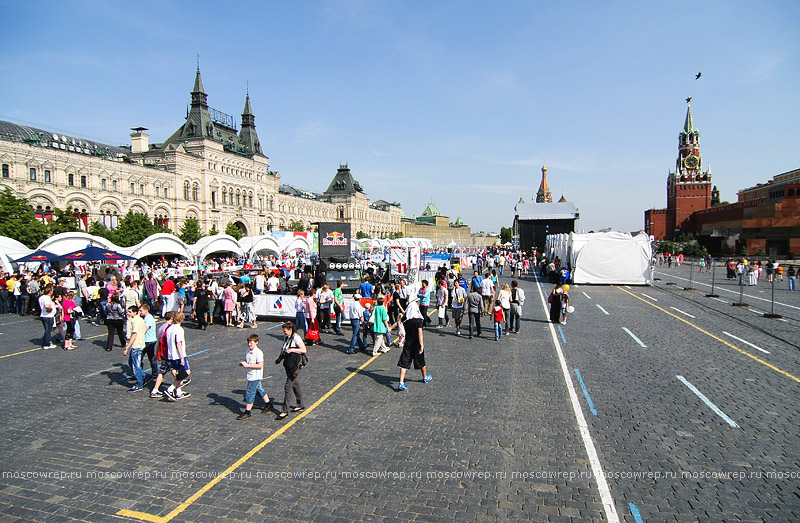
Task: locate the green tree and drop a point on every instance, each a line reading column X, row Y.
column 214, row 231
column 132, row 229
column 761, row 252
column 361, row 234
column 233, row 230
column 296, row 226
column 18, row 221
column 506, row 234
column 743, row 251
column 63, row 221
column 190, row 232
column 98, row 229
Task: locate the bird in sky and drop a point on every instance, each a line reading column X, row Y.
column 698, row 76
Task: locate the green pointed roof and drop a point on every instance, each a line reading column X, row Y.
column 688, row 125
column 459, row 222
column 431, row 210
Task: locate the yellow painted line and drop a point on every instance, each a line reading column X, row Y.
column 734, row 347
column 21, row 352
column 144, row 516
column 39, row 348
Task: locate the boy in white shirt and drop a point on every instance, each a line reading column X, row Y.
column 254, row 363
column 176, row 355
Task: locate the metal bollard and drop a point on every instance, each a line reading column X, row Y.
column 741, row 292
column 691, row 276
column 772, row 314
column 713, row 281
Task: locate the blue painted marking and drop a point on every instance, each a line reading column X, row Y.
column 708, row 402
column 562, row 334
column 586, row 393
column 274, row 327
column 637, row 517
column 126, row 378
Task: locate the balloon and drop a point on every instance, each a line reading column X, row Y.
column 566, row 287
column 570, row 309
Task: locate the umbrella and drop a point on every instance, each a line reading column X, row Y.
column 94, row 253
column 38, row 256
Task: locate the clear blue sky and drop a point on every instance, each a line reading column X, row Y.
column 458, row 102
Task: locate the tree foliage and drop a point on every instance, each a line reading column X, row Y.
column 190, row 232
column 214, row 231
column 18, row 221
column 361, row 234
column 62, row 221
column 98, row 229
column 506, row 234
column 132, row 229
column 233, row 230
column 296, row 226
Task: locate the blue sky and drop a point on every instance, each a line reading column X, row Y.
column 455, row 102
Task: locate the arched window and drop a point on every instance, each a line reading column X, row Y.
column 185, row 190
column 238, row 198
column 224, row 195
column 195, row 189
column 250, row 196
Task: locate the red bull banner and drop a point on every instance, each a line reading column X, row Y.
column 334, row 239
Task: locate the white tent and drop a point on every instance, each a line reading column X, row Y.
column 11, row 249
column 217, row 243
column 67, row 242
column 610, row 258
column 160, row 243
column 255, row 244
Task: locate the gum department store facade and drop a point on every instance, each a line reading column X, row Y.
column 207, row 170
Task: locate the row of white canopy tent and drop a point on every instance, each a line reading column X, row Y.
column 380, row 243
column 157, row 244
column 604, row 258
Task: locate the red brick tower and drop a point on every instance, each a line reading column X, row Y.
column 689, row 188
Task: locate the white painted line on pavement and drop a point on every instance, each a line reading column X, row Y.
column 588, row 443
column 648, row 296
column 746, row 342
column 782, row 319
column 632, row 335
column 587, row 295
column 754, row 311
column 627, row 287
column 602, row 309
column 707, row 401
column 721, row 301
column 684, row 313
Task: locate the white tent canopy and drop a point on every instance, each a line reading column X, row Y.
column 608, row 258
column 161, row 243
column 11, row 249
column 67, row 242
column 255, row 244
column 217, row 243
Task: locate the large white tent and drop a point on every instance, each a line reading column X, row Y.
column 606, row 258
column 11, row 249
column 161, row 243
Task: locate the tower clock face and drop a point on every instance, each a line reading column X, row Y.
column 691, row 162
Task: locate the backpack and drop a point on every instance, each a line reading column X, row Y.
column 161, row 353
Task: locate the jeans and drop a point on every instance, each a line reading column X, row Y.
column 253, row 389
column 150, row 352
column 4, row 304
column 356, row 325
column 47, row 323
column 791, row 283
column 300, row 322
column 101, row 312
column 135, row 362
column 516, row 312
column 498, row 329
column 339, row 316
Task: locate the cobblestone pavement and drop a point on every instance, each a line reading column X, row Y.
column 493, row 437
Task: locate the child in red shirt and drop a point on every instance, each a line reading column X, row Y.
column 499, row 320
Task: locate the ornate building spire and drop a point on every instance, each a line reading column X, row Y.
column 544, row 195
column 198, row 121
column 247, row 136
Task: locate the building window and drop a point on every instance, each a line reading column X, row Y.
column 213, row 199
column 114, row 185
column 195, row 190
column 83, row 180
column 141, row 188
column 71, row 179
column 186, row 190
column 165, row 192
column 238, row 198
column 133, row 188
column 33, row 174
column 251, row 199
column 6, row 170
column 47, row 176
column 103, row 184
